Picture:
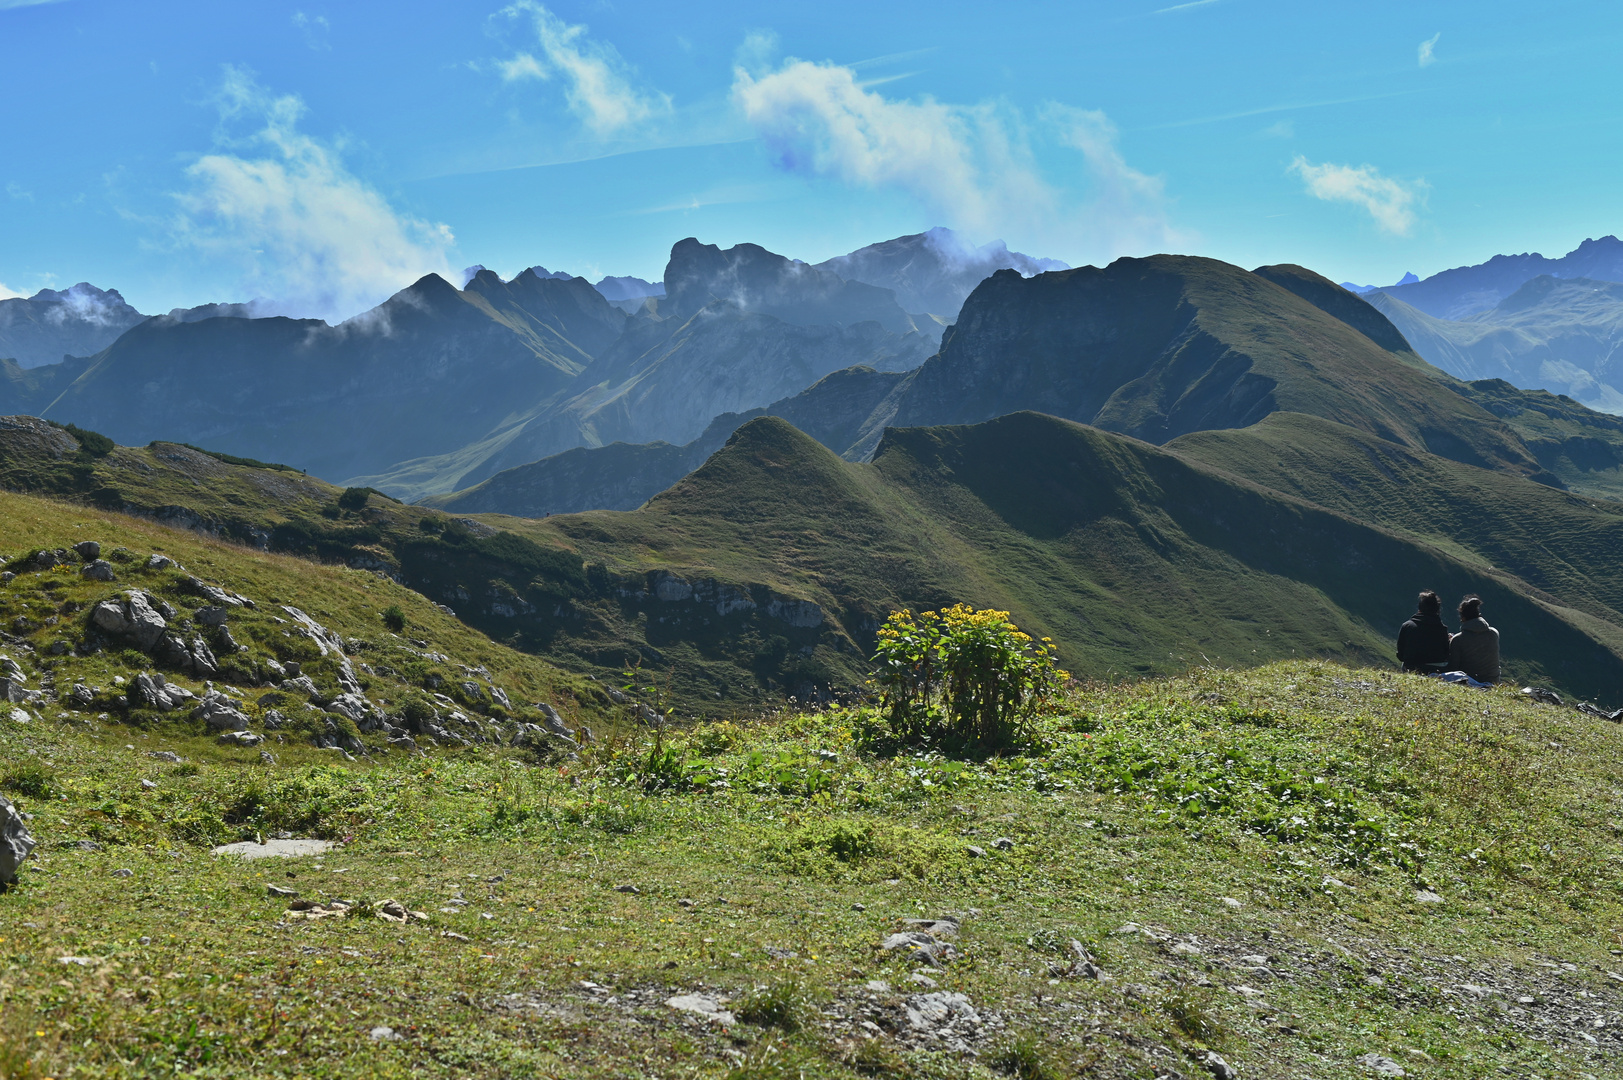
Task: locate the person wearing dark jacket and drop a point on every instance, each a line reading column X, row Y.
column 1475, row 649
column 1423, row 640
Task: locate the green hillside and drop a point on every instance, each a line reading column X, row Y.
column 1135, row 560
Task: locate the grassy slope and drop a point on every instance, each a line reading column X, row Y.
column 53, row 605
column 1553, row 540
column 1276, row 826
column 1133, row 559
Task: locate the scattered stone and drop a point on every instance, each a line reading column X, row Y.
column 701, row 1005
column 880, row 986
column 942, row 1007
column 1003, row 843
column 77, row 961
column 1219, row 1068
column 148, row 785
column 922, row 947
column 1082, row 965
column 1541, row 695
column 16, row 843
column 384, row 1033
column 1380, row 1065
column 859, row 907
column 396, row 912
column 922, row 979
column 632, row 889
column 941, row 928
column 277, row 890
column 165, row 755
column 19, row 716
column 1184, row 948
column 454, row 936
column 156, row 561
column 100, row 570
column 121, row 872
column 81, row 696
column 267, row 758
column 1426, row 896
column 1230, row 902
column 311, row 909
column 275, row 848
column 88, row 845
column 241, row 738
column 974, row 852
column 212, row 615
column 88, row 550
column 827, row 755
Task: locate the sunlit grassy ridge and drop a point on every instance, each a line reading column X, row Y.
column 1376, row 841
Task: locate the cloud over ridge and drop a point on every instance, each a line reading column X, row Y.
column 305, row 232
column 971, row 165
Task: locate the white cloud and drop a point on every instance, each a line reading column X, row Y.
column 5, row 4
column 972, row 166
column 597, row 81
column 1184, row 7
column 1390, row 202
column 306, row 233
column 7, row 292
column 1427, row 56
column 314, row 28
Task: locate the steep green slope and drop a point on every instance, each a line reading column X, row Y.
column 1555, row 541
column 1133, row 559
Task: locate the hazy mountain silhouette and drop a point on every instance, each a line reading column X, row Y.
column 49, row 325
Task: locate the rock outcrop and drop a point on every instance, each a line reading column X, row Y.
column 15, row 842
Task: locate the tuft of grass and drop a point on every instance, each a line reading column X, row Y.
column 31, row 778
column 1025, row 1057
column 1193, row 1015
column 783, row 1005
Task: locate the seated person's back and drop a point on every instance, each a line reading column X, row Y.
column 1423, row 640
column 1475, row 649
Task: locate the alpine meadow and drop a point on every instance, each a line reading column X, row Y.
column 816, row 639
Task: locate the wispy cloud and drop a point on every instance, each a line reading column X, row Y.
column 1267, row 109
column 1185, row 7
column 970, row 165
column 1428, row 56
column 8, row 293
column 315, row 29
column 1391, row 203
column 8, row 4
column 18, row 192
column 598, row 83
column 303, row 230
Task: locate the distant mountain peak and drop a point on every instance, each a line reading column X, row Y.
column 934, row 271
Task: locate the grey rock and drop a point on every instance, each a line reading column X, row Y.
column 123, row 872
column 10, row 669
column 165, row 755
column 146, row 625
column 1380, row 1065
column 267, row 758
column 7, row 577
column 499, row 696
column 1219, row 1068
column 146, row 691
column 18, row 716
column 474, row 691
column 88, row 550
column 216, row 595
column 156, row 561
column 301, row 684
column 294, row 669
column 384, row 1033
column 218, row 713
column 921, row 946
column 700, row 1005
column 225, row 641
column 13, row 690
column 974, row 852
column 1003, row 843
column 109, row 615
column 241, row 738
column 274, row 671
column 16, row 843
column 81, row 696
column 149, row 785
column 921, row 979
column 99, row 570
column 88, row 845
column 212, row 615
column 1426, row 896
column 202, row 657
column 942, row 1007
column 275, row 849
column 778, row 952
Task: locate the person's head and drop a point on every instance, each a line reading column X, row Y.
column 1430, row 603
column 1471, row 608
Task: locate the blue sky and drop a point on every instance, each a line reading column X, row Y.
column 324, row 155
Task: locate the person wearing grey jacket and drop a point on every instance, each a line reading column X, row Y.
column 1475, row 649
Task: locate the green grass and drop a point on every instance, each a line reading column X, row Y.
column 1293, row 812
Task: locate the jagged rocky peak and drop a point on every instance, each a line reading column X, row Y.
column 752, row 279
column 933, row 272
column 76, row 321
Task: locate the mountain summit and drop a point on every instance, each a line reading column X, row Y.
column 933, row 272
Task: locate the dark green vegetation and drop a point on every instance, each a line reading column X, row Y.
column 1292, row 867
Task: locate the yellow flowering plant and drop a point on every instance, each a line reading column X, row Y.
column 962, row 677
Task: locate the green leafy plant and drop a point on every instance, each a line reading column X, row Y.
column 30, row 778
column 393, row 618
column 967, row 678
column 354, row 498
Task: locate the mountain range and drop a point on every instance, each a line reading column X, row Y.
column 1161, row 462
